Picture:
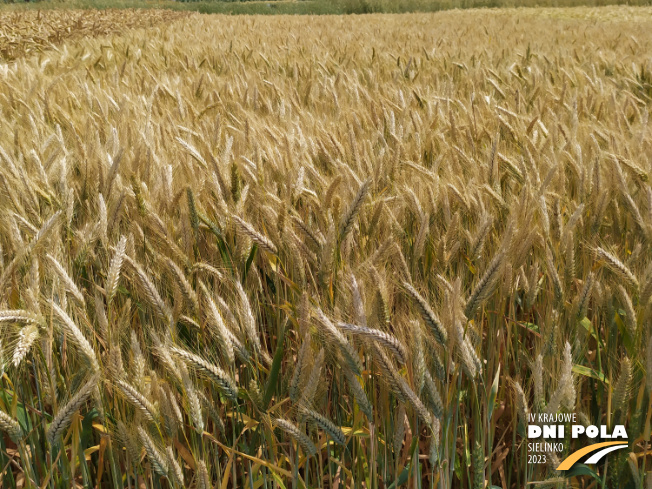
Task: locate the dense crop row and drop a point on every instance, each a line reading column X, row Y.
column 325, row 252
column 29, row 32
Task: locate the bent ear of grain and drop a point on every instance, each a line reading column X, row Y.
column 223, row 381
column 77, row 336
column 158, row 461
column 325, row 424
column 262, row 241
column 10, row 426
column 138, row 400
column 617, row 267
column 385, row 339
column 429, row 317
column 306, row 443
column 62, row 419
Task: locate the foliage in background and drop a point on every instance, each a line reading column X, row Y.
column 309, row 7
column 284, row 252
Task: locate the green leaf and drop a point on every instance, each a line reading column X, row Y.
column 250, row 259
column 628, row 341
column 458, row 468
column 274, row 371
column 225, row 252
column 278, row 479
column 403, row 476
column 493, row 393
column 87, row 427
column 531, row 326
column 581, row 469
column 589, row 372
column 588, row 326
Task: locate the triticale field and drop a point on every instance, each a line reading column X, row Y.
column 324, row 252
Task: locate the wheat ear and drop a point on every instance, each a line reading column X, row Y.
column 202, row 476
column 618, row 267
column 249, row 320
column 221, row 331
column 299, row 367
column 68, row 282
column 157, row 460
column 213, row 372
column 359, row 394
column 428, row 315
column 151, row 292
column 115, row 266
column 26, row 338
column 63, row 417
column 325, row 424
column 621, row 389
column 175, row 468
column 262, row 241
column 390, row 374
column 10, row 426
column 77, row 336
column 346, row 224
column 431, row 394
column 385, row 339
column 306, row 443
column 188, row 292
column 20, row 316
column 134, row 396
column 193, row 400
column 585, row 296
column 483, row 289
column 351, row 356
column 33, row 245
column 310, row 388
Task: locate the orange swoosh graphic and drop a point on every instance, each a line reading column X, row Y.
column 575, row 456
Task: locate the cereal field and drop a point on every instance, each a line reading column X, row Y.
column 323, row 252
column 27, row 32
